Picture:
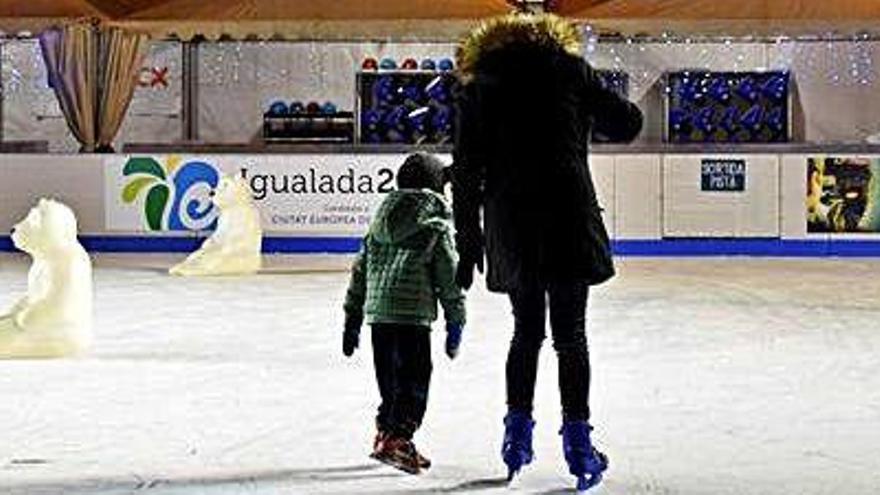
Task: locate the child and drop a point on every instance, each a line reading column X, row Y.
column 407, row 263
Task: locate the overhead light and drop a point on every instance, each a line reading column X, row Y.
column 531, row 6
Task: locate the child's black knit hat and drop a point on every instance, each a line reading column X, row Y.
column 422, row 171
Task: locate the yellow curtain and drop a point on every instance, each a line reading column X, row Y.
column 122, row 54
column 70, row 57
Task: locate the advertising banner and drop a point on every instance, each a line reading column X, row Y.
column 318, row 195
column 843, row 194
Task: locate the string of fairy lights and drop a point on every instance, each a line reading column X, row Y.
column 825, row 60
column 828, row 59
column 832, row 58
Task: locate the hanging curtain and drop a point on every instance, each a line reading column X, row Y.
column 70, row 56
column 93, row 73
column 121, row 54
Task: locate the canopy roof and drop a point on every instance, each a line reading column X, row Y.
column 47, row 8
column 713, row 9
column 267, row 18
column 269, row 10
column 30, row 15
column 713, row 16
column 315, row 19
column 419, row 19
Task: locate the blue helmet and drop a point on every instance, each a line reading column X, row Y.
column 328, row 108
column 278, row 109
column 445, row 64
column 297, row 107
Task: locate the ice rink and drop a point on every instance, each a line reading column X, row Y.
column 711, row 376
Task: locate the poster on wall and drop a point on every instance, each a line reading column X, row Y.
column 843, row 195
column 296, row 194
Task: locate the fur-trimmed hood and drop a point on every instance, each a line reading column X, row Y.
column 541, row 30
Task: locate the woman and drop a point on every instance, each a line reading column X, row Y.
column 527, row 104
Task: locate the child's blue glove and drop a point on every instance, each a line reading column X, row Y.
column 453, row 339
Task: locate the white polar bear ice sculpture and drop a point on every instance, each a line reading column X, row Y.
column 235, row 247
column 54, row 318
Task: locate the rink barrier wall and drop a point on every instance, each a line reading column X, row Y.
column 653, row 248
column 652, row 202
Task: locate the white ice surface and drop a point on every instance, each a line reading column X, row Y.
column 716, row 376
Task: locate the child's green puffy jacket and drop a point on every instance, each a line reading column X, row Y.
column 407, row 263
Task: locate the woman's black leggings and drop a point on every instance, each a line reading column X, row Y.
column 568, row 305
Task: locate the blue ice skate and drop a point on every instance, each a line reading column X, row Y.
column 584, row 461
column 517, row 448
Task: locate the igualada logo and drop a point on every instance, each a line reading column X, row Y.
column 177, row 194
column 312, row 181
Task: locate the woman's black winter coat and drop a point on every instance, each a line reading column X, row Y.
column 520, row 156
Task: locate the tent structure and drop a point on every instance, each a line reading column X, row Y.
column 47, row 8
column 421, row 19
column 32, row 15
column 245, row 10
column 347, row 19
column 262, row 19
column 734, row 17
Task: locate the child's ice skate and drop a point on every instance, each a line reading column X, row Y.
column 424, row 462
column 584, row 460
column 378, row 445
column 401, row 454
column 517, row 447
column 377, row 442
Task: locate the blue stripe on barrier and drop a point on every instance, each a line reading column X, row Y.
column 166, row 244
column 664, row 247
column 744, row 247
column 749, row 247
column 149, row 244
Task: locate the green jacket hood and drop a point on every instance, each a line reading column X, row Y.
column 541, row 30
column 410, row 216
